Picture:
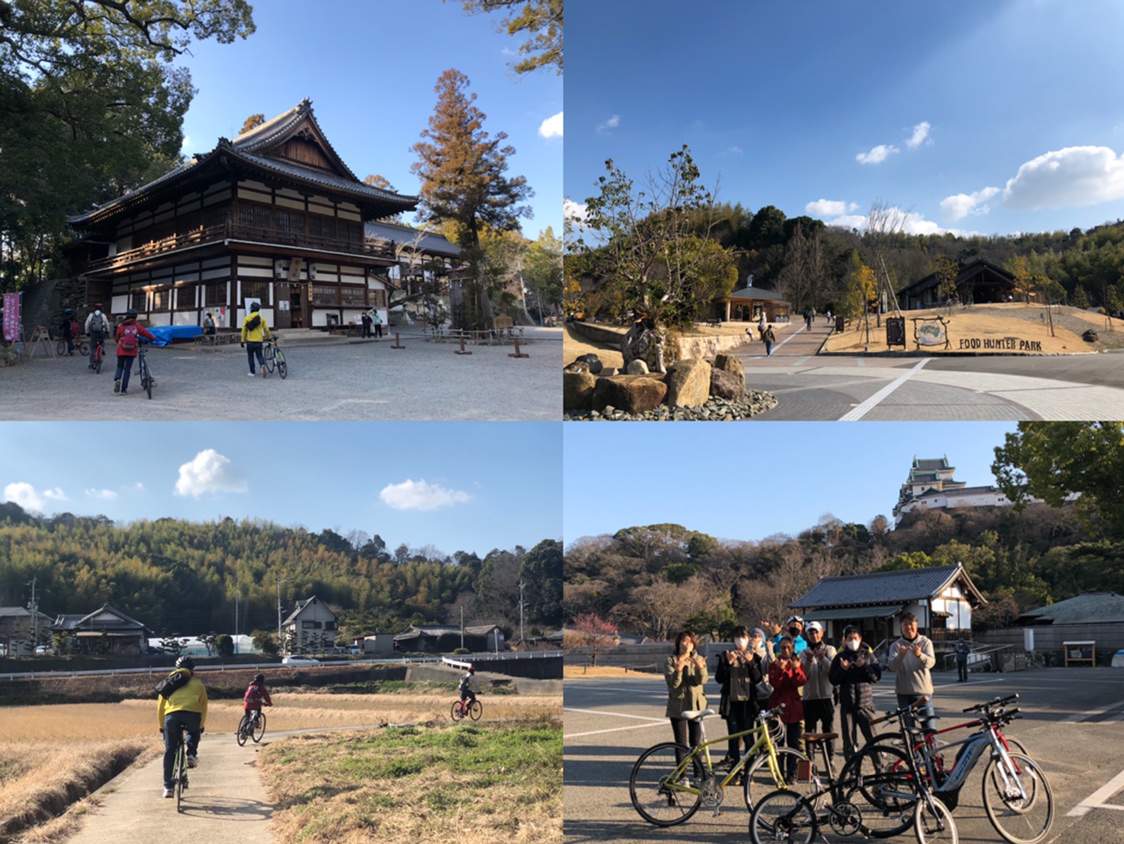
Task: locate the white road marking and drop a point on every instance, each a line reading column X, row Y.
column 1097, row 798
column 859, row 411
column 652, row 722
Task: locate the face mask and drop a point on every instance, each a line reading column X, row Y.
column 852, row 644
column 684, row 649
column 741, row 643
column 794, row 631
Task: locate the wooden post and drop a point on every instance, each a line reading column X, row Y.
column 397, row 343
column 517, row 352
column 462, row 351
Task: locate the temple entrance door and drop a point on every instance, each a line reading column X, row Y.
column 296, row 308
column 282, row 313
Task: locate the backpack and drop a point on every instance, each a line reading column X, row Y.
column 128, row 341
column 75, row 328
column 171, row 684
column 254, row 322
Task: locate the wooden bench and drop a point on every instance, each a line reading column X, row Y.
column 713, row 323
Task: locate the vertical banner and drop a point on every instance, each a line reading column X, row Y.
column 11, row 317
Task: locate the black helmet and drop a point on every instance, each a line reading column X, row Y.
column 131, row 313
column 185, row 662
column 259, row 678
column 255, row 307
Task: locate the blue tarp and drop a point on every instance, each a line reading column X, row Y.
column 164, row 334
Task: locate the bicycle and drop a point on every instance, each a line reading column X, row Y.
column 250, row 727
column 179, row 769
column 99, row 355
column 788, row 815
column 147, row 379
column 79, row 345
column 1017, row 797
column 669, row 781
column 462, row 710
column 275, row 357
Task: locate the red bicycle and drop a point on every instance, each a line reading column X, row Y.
column 462, row 710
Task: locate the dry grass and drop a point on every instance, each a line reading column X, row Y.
column 598, row 671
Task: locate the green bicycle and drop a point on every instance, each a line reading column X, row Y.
column 669, row 781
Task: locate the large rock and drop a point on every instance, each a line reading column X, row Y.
column 577, row 390
column 576, row 366
column 593, row 361
column 631, row 393
column 688, row 383
column 727, row 385
column 636, row 367
column 731, row 364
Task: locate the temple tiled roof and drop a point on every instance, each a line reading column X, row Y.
column 885, row 587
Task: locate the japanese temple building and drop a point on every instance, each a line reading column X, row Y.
column 273, row 216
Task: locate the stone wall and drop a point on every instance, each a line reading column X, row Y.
column 689, row 347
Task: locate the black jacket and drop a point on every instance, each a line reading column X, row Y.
column 739, row 681
column 854, row 682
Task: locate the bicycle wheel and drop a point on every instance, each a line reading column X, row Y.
column 783, row 816
column 181, row 773
column 475, row 710
column 99, row 356
column 1022, row 816
column 658, row 795
column 934, row 824
column 146, row 379
column 268, row 358
column 243, row 730
column 758, row 779
column 82, row 347
column 282, row 367
column 259, row 729
column 456, row 712
column 879, row 782
column 60, row 348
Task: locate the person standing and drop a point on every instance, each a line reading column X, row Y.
column 209, row 328
column 685, row 673
column 738, row 672
column 185, row 707
column 962, row 650
column 128, row 337
column 761, row 325
column 254, row 333
column 366, row 317
column 377, row 320
column 68, row 329
column 853, row 672
column 97, row 329
column 786, row 676
column 770, row 337
column 911, row 658
column 819, row 710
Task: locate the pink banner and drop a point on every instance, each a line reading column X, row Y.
column 11, row 316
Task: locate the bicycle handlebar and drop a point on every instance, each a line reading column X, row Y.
column 999, row 701
column 898, row 713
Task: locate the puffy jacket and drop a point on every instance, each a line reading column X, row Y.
column 855, row 681
column 685, row 687
column 254, row 335
column 816, row 664
column 255, row 696
column 738, row 680
column 191, row 697
column 911, row 673
column 786, row 683
column 141, row 332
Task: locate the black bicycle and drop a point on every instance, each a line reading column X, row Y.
column 274, row 357
column 251, row 727
column 147, row 379
column 179, row 769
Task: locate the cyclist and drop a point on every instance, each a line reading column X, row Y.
column 68, row 329
column 465, row 689
column 97, row 327
column 256, row 695
column 185, row 707
column 254, row 331
column 128, row 337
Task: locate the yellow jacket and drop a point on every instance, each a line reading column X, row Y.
column 254, row 335
column 191, row 697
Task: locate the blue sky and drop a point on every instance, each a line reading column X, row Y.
column 369, row 67
column 456, row 486
column 996, row 117
column 748, row 482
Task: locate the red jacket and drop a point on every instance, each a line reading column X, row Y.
column 141, row 332
column 255, row 696
column 786, row 683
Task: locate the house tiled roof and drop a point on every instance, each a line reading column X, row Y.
column 880, row 588
column 435, row 630
column 91, row 621
column 1092, row 608
column 757, row 294
column 429, row 242
column 301, row 607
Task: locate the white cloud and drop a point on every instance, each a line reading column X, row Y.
column 920, row 135
column 1072, row 177
column 829, row 208
column 911, row 222
column 419, row 495
column 612, row 123
column 552, row 127
column 877, row 155
column 573, row 211
column 104, row 494
column 29, row 498
column 735, row 150
column 960, row 205
column 209, row 472
column 55, row 494
column 186, row 143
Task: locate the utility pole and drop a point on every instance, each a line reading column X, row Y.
column 462, row 627
column 279, row 582
column 34, row 607
column 521, row 585
column 236, row 597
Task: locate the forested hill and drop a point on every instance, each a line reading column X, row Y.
column 184, row 578
column 660, row 578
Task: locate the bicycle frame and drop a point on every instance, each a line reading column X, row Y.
column 764, row 743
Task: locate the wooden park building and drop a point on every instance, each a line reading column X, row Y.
column 274, row 216
column 978, row 282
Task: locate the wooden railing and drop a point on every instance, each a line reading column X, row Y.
column 234, row 231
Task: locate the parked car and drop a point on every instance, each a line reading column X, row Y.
column 295, row 659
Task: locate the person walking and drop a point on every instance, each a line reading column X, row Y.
column 962, row 650
column 128, row 339
column 68, row 329
column 853, row 672
column 738, row 672
column 685, row 673
column 786, row 676
column 184, row 705
column 770, row 338
column 911, row 658
column 819, row 709
column 254, row 333
column 97, row 329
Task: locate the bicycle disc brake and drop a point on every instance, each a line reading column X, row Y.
column 845, row 818
column 711, row 792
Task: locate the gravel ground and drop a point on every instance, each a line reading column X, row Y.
column 358, row 381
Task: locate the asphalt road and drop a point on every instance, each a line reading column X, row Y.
column 1072, row 726
column 363, row 380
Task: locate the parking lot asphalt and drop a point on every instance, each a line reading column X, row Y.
column 1072, row 724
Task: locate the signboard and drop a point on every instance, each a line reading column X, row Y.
column 930, row 333
column 1080, row 653
column 11, row 317
column 895, row 331
column 999, row 344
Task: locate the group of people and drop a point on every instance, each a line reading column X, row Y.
column 794, row 666
column 372, row 318
column 768, row 336
column 185, row 708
